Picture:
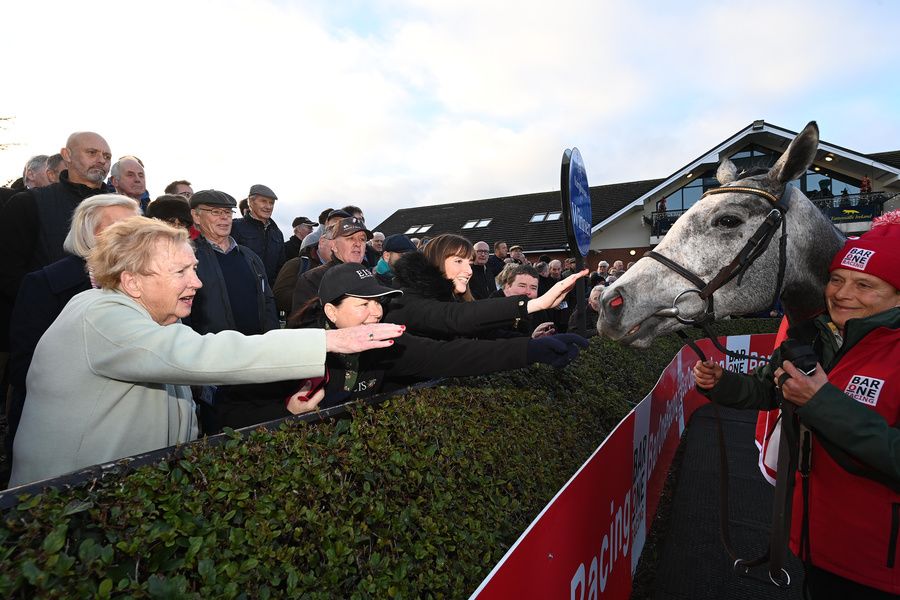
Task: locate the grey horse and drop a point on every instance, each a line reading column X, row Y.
column 638, row 307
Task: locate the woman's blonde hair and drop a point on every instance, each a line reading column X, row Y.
column 128, row 246
column 443, row 246
column 80, row 238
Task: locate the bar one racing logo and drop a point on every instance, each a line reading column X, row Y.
column 857, row 258
column 864, row 389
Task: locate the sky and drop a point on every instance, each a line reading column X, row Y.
column 400, row 103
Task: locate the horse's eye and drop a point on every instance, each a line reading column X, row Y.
column 727, row 221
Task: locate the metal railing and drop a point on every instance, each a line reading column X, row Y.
column 850, row 208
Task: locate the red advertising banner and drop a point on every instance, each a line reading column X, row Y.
column 587, row 541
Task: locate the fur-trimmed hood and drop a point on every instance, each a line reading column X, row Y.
column 415, row 274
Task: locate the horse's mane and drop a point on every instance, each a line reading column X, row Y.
column 752, row 172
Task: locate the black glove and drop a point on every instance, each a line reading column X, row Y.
column 556, row 350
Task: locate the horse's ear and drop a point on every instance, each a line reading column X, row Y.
column 726, row 173
column 797, row 158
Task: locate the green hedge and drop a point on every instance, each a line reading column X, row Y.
column 418, row 497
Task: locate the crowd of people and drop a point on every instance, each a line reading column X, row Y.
column 132, row 323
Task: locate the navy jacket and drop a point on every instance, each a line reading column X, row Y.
column 266, row 240
column 211, row 312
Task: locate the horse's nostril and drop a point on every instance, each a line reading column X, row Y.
column 616, row 302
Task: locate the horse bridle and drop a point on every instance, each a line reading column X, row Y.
column 752, row 250
column 754, row 247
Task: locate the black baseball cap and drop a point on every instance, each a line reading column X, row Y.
column 398, row 243
column 351, row 279
column 303, row 221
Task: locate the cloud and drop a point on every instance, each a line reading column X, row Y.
column 406, row 102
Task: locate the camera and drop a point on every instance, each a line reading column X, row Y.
column 801, row 355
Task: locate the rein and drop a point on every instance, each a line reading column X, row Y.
column 737, row 268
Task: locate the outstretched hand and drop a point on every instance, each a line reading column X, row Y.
column 556, row 350
column 555, row 295
column 351, row 340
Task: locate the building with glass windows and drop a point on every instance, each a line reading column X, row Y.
column 629, row 218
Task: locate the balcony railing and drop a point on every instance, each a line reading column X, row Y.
column 852, row 208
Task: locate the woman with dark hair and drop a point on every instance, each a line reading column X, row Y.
column 350, row 295
column 436, row 301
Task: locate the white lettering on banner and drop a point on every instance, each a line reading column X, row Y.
column 613, row 551
column 673, row 411
column 864, row 389
column 578, row 220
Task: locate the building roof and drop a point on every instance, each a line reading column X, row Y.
column 888, row 158
column 510, row 216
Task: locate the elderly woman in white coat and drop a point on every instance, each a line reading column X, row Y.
column 110, row 377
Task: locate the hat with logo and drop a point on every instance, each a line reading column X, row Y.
column 516, row 247
column 876, row 252
column 398, row 243
column 212, row 198
column 303, row 221
column 349, row 226
column 351, row 279
column 262, row 190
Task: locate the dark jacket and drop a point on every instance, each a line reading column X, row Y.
column 359, row 376
column 212, row 312
column 590, row 328
column 32, row 234
column 482, row 285
column 42, row 296
column 429, row 308
column 292, row 247
column 307, row 286
column 265, row 239
column 287, row 281
column 494, row 266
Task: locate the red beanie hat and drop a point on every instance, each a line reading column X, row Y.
column 876, row 252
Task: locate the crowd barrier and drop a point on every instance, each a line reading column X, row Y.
column 587, row 542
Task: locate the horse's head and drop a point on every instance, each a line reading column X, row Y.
column 641, row 304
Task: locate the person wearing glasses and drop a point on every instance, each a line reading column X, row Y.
column 481, row 284
column 235, row 296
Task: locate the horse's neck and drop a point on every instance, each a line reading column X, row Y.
column 815, row 241
column 802, row 301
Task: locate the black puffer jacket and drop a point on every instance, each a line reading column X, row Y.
column 429, row 308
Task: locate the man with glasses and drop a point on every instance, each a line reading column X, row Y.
column 482, row 284
column 181, row 187
column 235, row 295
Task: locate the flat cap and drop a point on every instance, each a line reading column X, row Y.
column 262, row 190
column 212, row 198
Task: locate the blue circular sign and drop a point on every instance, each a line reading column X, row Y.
column 579, row 208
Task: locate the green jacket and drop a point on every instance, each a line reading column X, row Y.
column 830, row 412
